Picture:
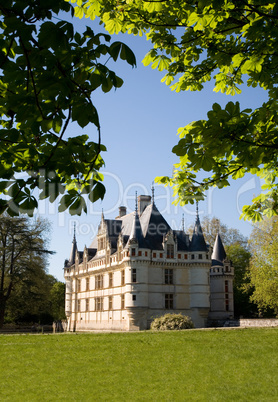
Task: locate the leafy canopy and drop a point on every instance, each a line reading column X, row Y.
column 229, row 41
column 48, row 73
column 263, row 270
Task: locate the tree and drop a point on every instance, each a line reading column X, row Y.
column 194, row 42
column 263, row 272
column 57, row 297
column 48, row 73
column 240, row 256
column 31, row 300
column 212, row 226
column 22, row 259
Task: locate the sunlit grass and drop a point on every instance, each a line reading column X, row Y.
column 212, row 365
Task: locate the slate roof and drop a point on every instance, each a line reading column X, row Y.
column 154, row 227
column 149, row 230
column 198, row 241
column 182, row 239
column 136, row 232
column 218, row 254
column 73, row 250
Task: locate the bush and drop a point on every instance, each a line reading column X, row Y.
column 172, row 322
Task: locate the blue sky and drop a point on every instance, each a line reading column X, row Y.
column 139, row 123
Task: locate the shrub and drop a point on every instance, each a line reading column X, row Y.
column 172, row 322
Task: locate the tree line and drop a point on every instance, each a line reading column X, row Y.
column 255, row 262
column 27, row 292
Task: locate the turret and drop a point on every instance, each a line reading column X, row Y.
column 198, row 241
column 136, row 234
column 218, row 254
column 221, row 283
column 71, row 260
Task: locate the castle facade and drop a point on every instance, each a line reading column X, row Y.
column 138, row 268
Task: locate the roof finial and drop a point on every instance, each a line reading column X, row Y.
column 197, row 209
column 152, row 192
column 182, row 223
column 74, row 231
column 136, row 202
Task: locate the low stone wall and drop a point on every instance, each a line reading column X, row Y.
column 258, row 322
column 243, row 323
column 25, row 329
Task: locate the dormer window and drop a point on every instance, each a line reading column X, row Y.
column 101, row 243
column 170, row 250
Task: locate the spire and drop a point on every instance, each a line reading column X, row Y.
column 136, row 202
column 198, row 241
column 136, row 233
column 152, row 192
column 73, row 247
column 182, row 223
column 218, row 254
column 74, row 231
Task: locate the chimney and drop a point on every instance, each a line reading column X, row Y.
column 122, row 211
column 143, row 202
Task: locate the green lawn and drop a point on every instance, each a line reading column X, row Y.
column 210, row 365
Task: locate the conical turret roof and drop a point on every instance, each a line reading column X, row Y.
column 73, row 249
column 136, row 231
column 198, row 241
column 218, row 253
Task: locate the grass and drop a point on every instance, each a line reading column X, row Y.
column 211, row 365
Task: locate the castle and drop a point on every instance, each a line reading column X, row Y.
column 138, row 268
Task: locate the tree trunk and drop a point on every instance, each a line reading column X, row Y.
column 2, row 310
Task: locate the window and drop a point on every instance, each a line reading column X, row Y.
column 87, row 304
column 99, row 303
column 133, row 297
column 170, row 250
column 78, row 305
column 168, row 276
column 169, row 301
column 110, row 303
column 123, row 277
column 99, row 281
column 87, row 284
column 185, row 256
column 179, row 256
column 140, row 253
column 110, row 279
column 226, row 286
column 123, row 302
column 192, row 257
column 133, row 252
column 146, row 254
column 78, row 285
column 227, row 302
column 101, row 243
column 200, row 257
column 133, row 275
column 154, row 255
column 161, row 255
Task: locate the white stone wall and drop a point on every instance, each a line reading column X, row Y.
column 190, row 290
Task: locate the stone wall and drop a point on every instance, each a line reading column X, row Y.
column 259, row 322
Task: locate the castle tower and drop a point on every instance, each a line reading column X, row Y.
column 221, row 283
